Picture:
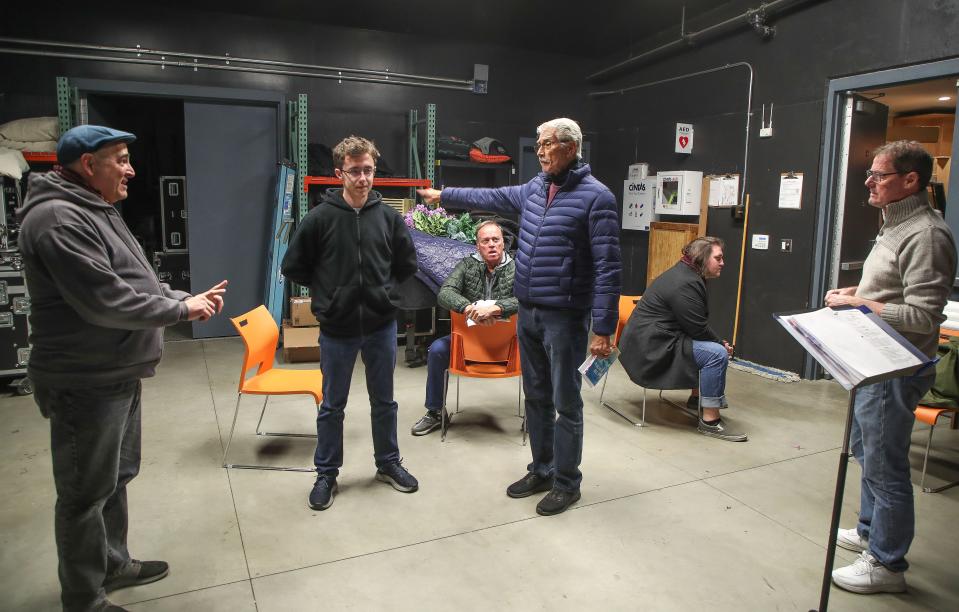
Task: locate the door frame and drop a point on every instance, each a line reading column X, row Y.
column 204, row 93
column 830, row 165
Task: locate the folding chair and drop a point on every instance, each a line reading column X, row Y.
column 482, row 351
column 930, row 416
column 260, row 336
column 627, row 303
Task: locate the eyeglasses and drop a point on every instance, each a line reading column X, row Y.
column 878, row 176
column 548, row 144
column 356, row 173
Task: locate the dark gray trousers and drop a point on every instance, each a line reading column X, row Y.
column 95, row 444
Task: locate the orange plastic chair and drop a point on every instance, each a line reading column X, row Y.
column 482, row 351
column 627, row 303
column 260, row 335
column 930, row 416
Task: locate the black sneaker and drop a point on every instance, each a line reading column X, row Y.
column 321, row 497
column 136, row 573
column 431, row 421
column 692, row 406
column 528, row 485
column 556, row 501
column 397, row 476
column 721, row 430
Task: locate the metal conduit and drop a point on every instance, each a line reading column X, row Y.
column 752, row 17
column 342, row 73
column 749, row 104
column 197, row 65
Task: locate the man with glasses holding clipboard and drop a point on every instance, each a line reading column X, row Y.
column 906, row 281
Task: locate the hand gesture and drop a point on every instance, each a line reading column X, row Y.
column 430, row 196
column 204, row 305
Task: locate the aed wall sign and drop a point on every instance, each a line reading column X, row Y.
column 684, row 138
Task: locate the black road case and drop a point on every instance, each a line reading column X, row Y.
column 14, row 323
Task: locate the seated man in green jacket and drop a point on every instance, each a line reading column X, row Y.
column 486, row 275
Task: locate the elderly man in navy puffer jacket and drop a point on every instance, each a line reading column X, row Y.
column 567, row 276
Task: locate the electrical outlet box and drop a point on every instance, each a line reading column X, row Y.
column 766, row 132
column 786, row 245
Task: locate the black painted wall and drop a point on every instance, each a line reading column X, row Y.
column 524, row 86
column 813, row 43
column 820, row 40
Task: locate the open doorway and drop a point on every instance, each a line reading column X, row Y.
column 925, row 112
column 157, row 154
column 861, row 113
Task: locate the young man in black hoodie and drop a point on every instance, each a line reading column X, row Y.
column 353, row 251
column 96, row 329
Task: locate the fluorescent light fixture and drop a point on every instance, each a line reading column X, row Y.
column 944, row 98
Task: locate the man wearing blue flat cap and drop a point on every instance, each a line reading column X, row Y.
column 96, row 320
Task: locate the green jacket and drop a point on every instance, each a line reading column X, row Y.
column 468, row 283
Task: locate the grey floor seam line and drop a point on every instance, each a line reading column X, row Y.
column 757, row 510
column 229, row 477
column 487, row 528
column 197, row 590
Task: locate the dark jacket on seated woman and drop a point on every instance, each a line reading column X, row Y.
column 656, row 345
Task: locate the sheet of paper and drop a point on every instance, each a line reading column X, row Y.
column 723, row 191
column 790, row 190
column 481, row 304
column 850, row 344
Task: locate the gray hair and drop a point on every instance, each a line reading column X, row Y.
column 489, row 222
column 908, row 156
column 566, row 130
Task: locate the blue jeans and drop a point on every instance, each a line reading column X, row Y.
column 883, row 416
column 337, row 358
column 711, row 358
column 552, row 344
column 95, row 445
column 437, row 363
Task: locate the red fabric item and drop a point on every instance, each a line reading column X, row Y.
column 480, row 157
column 553, row 188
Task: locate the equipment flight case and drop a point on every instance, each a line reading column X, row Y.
column 14, row 323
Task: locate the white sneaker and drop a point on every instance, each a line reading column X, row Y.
column 851, row 540
column 866, row 575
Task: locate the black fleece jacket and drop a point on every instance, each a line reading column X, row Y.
column 353, row 261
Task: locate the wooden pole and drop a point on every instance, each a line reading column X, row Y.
column 742, row 260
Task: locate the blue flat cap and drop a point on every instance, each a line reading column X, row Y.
column 87, row 139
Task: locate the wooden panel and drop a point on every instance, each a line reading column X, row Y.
column 666, row 242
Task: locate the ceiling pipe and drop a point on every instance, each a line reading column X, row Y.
column 755, row 18
column 79, row 51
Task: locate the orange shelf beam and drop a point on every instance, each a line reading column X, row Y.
column 377, row 182
column 40, row 157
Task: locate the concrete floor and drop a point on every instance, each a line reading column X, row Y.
column 669, row 519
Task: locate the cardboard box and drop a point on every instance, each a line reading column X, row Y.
column 300, row 312
column 300, row 343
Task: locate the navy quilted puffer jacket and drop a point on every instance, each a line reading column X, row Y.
column 568, row 253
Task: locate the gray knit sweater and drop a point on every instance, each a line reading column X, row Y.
column 911, row 270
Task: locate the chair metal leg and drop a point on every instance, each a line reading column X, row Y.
column 229, row 440
column 609, row 406
column 925, row 462
column 277, row 433
column 925, row 459
column 444, row 418
column 241, row 466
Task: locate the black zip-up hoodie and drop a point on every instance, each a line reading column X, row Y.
column 97, row 308
column 353, row 260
